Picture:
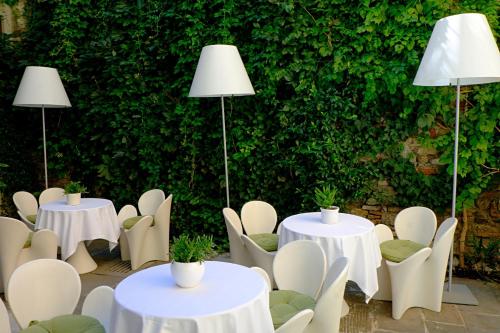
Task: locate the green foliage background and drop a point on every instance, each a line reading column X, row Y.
column 334, row 102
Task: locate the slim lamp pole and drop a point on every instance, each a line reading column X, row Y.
column 225, row 149
column 455, row 171
column 44, row 148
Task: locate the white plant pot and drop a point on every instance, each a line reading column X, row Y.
column 73, row 199
column 330, row 215
column 187, row 274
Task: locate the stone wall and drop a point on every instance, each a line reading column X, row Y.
column 481, row 221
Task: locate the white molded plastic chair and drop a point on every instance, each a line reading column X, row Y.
column 258, row 217
column 417, row 224
column 13, row 253
column 43, row 289
column 327, row 311
column 150, row 201
column 147, row 242
column 300, row 266
column 264, row 275
column 98, row 305
column 297, row 323
column 4, row 318
column 260, row 257
column 26, row 205
column 51, row 194
column 418, row 280
column 239, row 253
column 383, row 293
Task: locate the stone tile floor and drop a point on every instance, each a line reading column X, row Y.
column 374, row 317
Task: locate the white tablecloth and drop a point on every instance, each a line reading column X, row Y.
column 91, row 219
column 353, row 237
column 231, row 298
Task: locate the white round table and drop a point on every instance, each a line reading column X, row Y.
column 91, row 219
column 230, row 298
column 353, row 237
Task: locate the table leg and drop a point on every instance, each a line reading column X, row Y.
column 81, row 260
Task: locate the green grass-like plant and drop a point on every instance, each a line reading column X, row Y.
column 325, row 196
column 74, row 187
column 186, row 249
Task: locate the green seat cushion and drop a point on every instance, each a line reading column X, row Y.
column 268, row 242
column 66, row 324
column 28, row 241
column 131, row 221
column 284, row 304
column 31, row 218
column 397, row 250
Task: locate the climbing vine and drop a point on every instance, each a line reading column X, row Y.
column 334, row 102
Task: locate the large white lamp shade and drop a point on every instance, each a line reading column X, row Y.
column 461, row 51
column 220, row 72
column 41, row 87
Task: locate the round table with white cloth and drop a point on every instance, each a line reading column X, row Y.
column 352, row 237
column 92, row 219
column 230, row 298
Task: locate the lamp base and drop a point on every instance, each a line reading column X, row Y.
column 459, row 294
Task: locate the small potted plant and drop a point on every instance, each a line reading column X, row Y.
column 188, row 255
column 73, row 191
column 325, row 197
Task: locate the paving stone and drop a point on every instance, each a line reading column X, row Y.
column 487, row 293
column 434, row 327
column 449, row 314
column 411, row 322
column 481, row 323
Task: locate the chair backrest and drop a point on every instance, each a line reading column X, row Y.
column 4, row 318
column 150, row 201
column 98, row 303
column 417, row 224
column 300, row 266
column 258, row 217
column 260, row 257
column 51, row 194
column 25, row 203
column 329, row 306
column 383, row 233
column 126, row 212
column 239, row 254
column 162, row 222
column 42, row 289
column 442, row 243
column 264, row 275
column 13, row 235
column 297, row 323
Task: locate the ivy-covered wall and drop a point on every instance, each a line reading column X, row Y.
column 334, row 104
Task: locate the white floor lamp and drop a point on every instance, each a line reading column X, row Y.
column 461, row 51
column 41, row 87
column 220, row 72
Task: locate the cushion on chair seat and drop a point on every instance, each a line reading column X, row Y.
column 268, row 242
column 66, row 324
column 284, row 304
column 31, row 218
column 131, row 221
column 28, row 241
column 397, row 250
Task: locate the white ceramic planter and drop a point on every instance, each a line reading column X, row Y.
column 73, row 199
column 330, row 215
column 187, row 274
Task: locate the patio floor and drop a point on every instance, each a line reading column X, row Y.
column 374, row 317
